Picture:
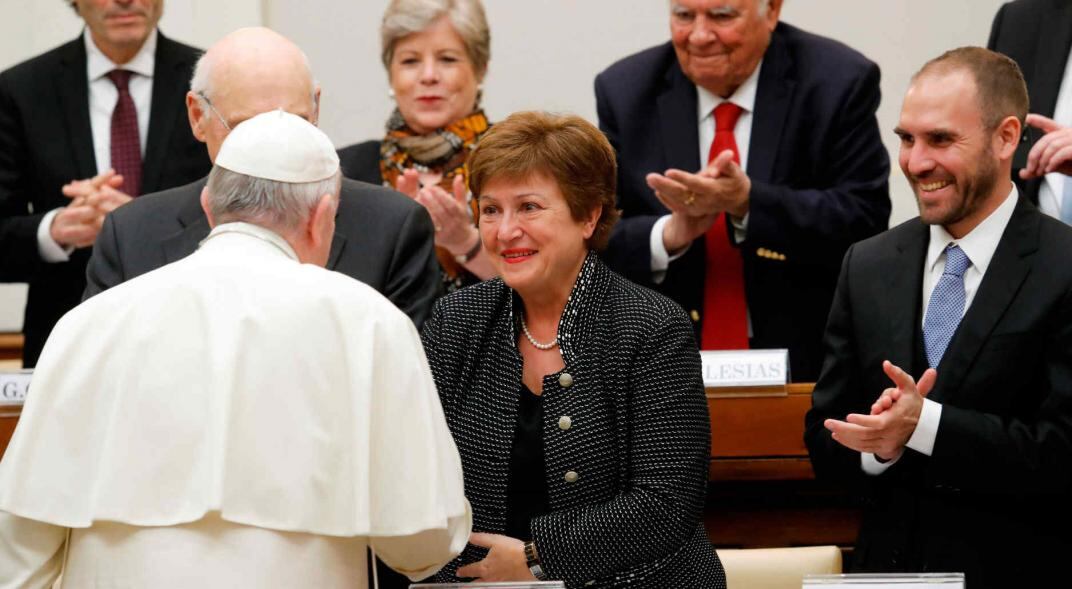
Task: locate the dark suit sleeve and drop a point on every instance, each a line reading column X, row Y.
column 629, row 249
column 18, row 228
column 1016, row 454
column 839, row 390
column 412, row 280
column 104, row 269
column 815, row 225
column 669, row 448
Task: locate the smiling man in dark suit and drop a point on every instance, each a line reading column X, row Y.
column 83, row 129
column 381, row 237
column 749, row 159
column 970, row 468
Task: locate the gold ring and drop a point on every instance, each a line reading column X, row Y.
column 690, row 197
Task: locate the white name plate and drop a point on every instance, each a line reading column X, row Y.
column 745, row 368
column 886, row 581
column 14, row 386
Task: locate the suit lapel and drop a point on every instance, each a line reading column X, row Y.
column 678, row 122
column 904, row 288
column 1051, row 53
column 168, row 83
column 72, row 87
column 774, row 94
column 1006, row 273
column 338, row 243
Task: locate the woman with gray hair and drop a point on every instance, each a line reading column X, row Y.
column 436, row 53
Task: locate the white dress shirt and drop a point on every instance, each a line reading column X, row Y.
column 103, row 96
column 979, row 245
column 1051, row 190
column 744, row 97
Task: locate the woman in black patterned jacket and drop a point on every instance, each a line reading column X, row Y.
column 574, row 396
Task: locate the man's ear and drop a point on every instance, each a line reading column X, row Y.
column 316, row 106
column 205, row 207
column 1007, row 137
column 322, row 220
column 196, row 115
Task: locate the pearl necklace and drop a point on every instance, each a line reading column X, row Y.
column 533, row 341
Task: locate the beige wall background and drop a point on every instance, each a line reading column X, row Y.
column 545, row 53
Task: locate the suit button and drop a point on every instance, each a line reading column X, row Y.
column 564, row 422
column 565, row 380
column 571, row 476
column 695, row 315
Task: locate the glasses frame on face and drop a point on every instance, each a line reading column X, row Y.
column 208, row 102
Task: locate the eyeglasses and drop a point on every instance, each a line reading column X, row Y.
column 213, row 109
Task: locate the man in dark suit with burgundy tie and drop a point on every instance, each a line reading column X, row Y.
column 748, row 244
column 970, row 468
column 84, row 128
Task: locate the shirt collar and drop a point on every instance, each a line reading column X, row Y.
column 981, row 242
column 98, row 65
column 744, row 97
column 255, row 231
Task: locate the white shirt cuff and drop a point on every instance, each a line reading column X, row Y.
column 922, row 439
column 740, row 228
column 49, row 250
column 660, row 258
column 872, row 466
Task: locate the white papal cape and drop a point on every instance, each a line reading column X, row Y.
column 233, row 405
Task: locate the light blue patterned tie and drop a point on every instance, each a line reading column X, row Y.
column 1066, row 202
column 946, row 306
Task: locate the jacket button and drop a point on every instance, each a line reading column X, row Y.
column 566, row 380
column 564, row 422
column 571, row 476
column 694, row 315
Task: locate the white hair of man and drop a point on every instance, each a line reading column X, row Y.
column 761, row 6
column 280, row 206
column 201, row 82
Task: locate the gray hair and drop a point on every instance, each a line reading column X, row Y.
column 201, row 82
column 762, row 6
column 405, row 17
column 282, row 206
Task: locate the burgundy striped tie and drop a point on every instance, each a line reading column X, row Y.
column 126, row 144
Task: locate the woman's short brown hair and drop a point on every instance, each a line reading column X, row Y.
column 567, row 148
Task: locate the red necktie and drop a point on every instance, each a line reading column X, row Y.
column 725, row 317
column 126, row 144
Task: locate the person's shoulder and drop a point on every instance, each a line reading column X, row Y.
column 40, row 68
column 360, row 199
column 167, row 46
column 361, row 161
column 330, row 289
column 635, row 303
column 830, row 56
column 650, row 63
column 166, row 204
column 472, row 307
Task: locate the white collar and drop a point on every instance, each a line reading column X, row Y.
column 254, row 231
column 98, row 65
column 981, row 242
column 744, row 96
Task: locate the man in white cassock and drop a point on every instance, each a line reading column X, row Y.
column 242, row 417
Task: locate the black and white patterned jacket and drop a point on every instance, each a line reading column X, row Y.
column 626, row 432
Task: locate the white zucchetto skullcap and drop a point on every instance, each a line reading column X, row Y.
column 279, row 146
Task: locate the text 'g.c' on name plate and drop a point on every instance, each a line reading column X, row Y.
column 14, row 386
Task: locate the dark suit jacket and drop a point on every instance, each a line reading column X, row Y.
column 1037, row 35
column 381, row 238
column 46, row 141
column 639, row 438
column 361, row 161
column 992, row 499
column 818, row 169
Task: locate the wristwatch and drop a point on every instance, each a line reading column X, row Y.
column 532, row 559
column 469, row 255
